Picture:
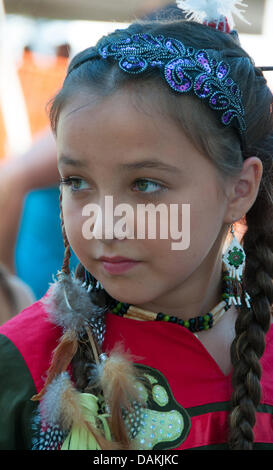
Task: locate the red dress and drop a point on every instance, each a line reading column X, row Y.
column 189, row 385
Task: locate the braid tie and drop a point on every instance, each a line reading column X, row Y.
column 67, row 251
column 252, row 326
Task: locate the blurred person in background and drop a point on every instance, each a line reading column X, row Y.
column 30, row 234
column 15, row 295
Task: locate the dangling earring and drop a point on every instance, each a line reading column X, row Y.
column 234, row 262
column 91, row 283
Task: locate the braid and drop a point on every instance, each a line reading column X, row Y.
column 83, row 360
column 252, row 324
column 67, row 252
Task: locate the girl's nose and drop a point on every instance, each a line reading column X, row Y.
column 113, row 221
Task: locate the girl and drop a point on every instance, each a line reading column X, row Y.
column 156, row 348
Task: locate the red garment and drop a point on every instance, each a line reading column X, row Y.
column 195, row 379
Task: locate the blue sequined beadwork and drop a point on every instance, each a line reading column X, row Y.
column 185, row 69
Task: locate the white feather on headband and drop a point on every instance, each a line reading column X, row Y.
column 206, row 11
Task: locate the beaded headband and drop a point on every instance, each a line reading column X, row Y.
column 185, row 69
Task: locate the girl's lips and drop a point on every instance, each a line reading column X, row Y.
column 115, row 259
column 119, row 267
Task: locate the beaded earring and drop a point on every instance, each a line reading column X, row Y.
column 91, row 283
column 234, row 261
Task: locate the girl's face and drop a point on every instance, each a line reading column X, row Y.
column 103, row 145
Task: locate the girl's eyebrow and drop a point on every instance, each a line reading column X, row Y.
column 159, row 165
column 64, row 160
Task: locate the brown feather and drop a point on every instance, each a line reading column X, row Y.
column 72, row 415
column 62, row 356
column 118, row 381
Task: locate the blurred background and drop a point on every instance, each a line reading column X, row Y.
column 37, row 39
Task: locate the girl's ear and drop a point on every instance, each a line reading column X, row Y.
column 244, row 190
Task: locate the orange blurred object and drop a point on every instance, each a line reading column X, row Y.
column 40, row 77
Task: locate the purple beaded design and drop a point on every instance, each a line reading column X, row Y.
column 185, row 70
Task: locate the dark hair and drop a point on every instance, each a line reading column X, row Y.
column 221, row 145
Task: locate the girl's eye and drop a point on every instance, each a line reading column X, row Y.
column 145, row 184
column 75, row 184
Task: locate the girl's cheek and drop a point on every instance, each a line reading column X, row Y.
column 73, row 219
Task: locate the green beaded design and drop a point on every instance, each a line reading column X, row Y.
column 236, row 257
column 160, row 423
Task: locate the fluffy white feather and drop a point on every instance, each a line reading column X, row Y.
column 70, row 306
column 206, row 11
column 53, row 403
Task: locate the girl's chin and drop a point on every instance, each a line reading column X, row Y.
column 128, row 295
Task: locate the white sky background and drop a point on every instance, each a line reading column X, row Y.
column 260, row 47
column 45, row 35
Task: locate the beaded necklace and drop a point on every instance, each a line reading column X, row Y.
column 195, row 324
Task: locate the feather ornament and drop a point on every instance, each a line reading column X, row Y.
column 207, row 11
column 60, row 404
column 76, row 415
column 85, row 434
column 115, row 378
column 70, row 306
column 118, row 380
column 62, row 356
